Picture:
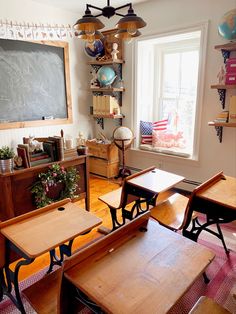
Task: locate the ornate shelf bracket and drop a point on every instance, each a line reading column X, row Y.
column 225, row 54
column 221, row 93
column 219, row 132
column 100, row 121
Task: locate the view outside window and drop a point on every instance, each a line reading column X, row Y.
column 167, row 92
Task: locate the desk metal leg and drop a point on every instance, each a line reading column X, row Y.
column 197, row 228
column 12, row 276
column 65, row 249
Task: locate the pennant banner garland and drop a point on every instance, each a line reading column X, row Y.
column 9, row 30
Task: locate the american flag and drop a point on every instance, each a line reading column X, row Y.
column 160, row 125
column 146, row 132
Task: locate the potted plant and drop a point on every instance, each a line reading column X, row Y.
column 6, row 159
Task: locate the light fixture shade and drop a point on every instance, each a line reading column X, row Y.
column 130, row 21
column 83, row 35
column 124, row 34
column 88, row 23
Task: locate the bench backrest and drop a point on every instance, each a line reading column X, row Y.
column 207, row 183
column 124, row 194
column 64, row 302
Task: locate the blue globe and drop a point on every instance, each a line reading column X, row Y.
column 95, row 49
column 106, row 75
column 227, row 26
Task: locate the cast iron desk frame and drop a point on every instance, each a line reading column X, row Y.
column 146, row 188
column 216, row 209
column 12, row 280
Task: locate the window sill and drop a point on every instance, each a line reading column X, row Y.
column 166, row 156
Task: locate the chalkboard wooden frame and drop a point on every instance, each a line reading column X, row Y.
column 56, row 121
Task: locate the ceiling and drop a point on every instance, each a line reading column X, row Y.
column 80, row 5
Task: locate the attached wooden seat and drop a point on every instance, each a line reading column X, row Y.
column 119, row 199
column 206, row 305
column 170, row 213
column 42, row 295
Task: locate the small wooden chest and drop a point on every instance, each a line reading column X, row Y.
column 104, row 160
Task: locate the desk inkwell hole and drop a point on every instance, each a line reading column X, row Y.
column 153, row 171
column 61, row 208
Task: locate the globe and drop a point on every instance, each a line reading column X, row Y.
column 95, row 49
column 227, row 25
column 123, row 137
column 106, row 75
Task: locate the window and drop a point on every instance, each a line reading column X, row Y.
column 168, row 92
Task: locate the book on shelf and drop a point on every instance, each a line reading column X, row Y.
column 59, row 146
column 105, row 105
column 39, row 156
column 21, row 152
column 40, row 161
column 232, row 109
column 26, row 147
column 222, row 117
column 50, row 148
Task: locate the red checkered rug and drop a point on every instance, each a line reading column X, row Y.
column 222, row 286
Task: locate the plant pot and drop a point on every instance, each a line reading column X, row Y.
column 6, row 165
column 55, row 190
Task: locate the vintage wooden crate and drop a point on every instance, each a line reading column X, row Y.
column 103, row 168
column 108, row 152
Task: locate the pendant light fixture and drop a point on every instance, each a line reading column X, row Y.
column 127, row 26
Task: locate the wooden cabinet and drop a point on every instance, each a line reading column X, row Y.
column 104, row 159
column 222, row 88
column 16, row 198
column 115, row 90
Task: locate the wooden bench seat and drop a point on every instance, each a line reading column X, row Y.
column 43, row 294
column 206, row 305
column 170, row 212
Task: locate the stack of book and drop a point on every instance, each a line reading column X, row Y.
column 105, row 105
column 232, row 109
column 32, row 159
column 222, row 117
column 54, row 147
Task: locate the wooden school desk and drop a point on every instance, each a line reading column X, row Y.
column 41, row 231
column 218, row 202
column 133, row 270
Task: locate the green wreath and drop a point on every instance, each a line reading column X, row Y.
column 50, row 179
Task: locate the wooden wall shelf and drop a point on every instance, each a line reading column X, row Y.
column 106, row 62
column 226, row 124
column 223, row 86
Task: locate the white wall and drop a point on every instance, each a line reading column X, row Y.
column 167, row 15
column 161, row 16
column 32, row 12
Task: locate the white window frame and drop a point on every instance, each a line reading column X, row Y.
column 203, row 27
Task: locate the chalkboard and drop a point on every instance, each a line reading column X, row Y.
column 34, row 83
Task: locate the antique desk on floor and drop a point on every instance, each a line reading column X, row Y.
column 16, row 198
column 41, row 231
column 135, row 269
column 218, row 202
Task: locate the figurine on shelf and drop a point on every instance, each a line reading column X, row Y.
column 221, row 75
column 81, row 140
column 114, row 52
column 94, row 81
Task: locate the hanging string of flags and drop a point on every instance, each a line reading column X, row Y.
column 32, row 31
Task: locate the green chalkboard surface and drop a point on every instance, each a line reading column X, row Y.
column 34, row 83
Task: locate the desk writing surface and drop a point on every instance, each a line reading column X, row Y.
column 156, row 181
column 142, row 272
column 221, row 192
column 45, row 231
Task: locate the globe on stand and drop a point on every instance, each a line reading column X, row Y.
column 123, row 138
column 227, row 25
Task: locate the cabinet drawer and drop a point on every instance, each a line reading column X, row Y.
column 104, row 151
column 103, row 168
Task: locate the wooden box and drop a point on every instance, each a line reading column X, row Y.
column 108, row 152
column 103, row 168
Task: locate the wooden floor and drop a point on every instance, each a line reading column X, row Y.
column 98, row 187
